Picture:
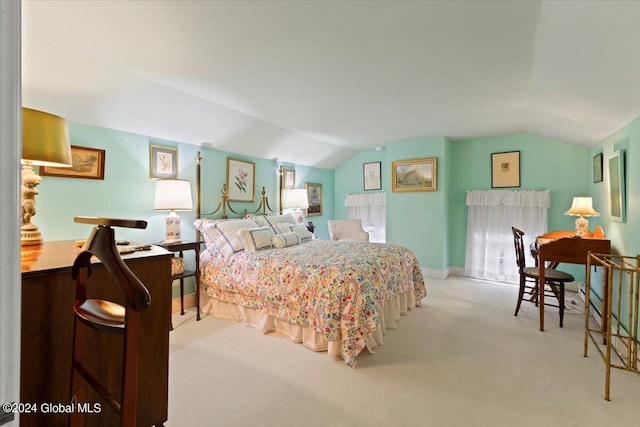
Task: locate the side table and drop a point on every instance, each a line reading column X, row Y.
column 180, row 248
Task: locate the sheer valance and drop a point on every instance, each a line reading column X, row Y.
column 520, row 198
column 373, row 199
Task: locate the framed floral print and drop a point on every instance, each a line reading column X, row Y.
column 241, row 180
column 163, row 162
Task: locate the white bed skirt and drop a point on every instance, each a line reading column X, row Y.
column 308, row 336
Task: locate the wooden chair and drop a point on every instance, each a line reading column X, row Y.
column 108, row 317
column 529, row 278
column 347, row 229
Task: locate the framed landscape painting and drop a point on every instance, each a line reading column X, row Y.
column 413, row 175
column 87, row 163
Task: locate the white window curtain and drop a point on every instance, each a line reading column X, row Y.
column 490, row 252
column 371, row 209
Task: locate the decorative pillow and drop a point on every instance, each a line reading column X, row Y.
column 205, row 227
column 284, row 227
column 272, row 220
column 225, row 235
column 285, row 239
column 253, row 239
column 302, row 231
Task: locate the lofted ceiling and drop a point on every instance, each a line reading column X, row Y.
column 315, row 82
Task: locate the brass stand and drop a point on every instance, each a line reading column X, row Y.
column 618, row 334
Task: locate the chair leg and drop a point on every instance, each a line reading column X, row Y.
column 561, row 302
column 520, row 296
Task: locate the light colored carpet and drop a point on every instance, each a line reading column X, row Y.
column 462, row 359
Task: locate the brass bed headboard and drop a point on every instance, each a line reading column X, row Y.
column 223, row 201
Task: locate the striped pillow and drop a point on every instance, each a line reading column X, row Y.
column 254, row 239
column 284, row 240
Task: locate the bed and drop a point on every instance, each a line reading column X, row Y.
column 272, row 274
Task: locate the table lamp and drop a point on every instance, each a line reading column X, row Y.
column 173, row 195
column 295, row 199
column 45, row 142
column 581, row 207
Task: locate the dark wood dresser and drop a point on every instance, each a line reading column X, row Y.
column 48, row 293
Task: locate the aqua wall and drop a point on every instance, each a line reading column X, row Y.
column 434, row 224
column 624, row 236
column 413, row 219
column 127, row 190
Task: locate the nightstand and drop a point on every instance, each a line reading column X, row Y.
column 179, row 248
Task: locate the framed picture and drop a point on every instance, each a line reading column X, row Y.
column 241, row 180
column 505, row 169
column 314, row 193
column 163, row 162
column 87, row 163
column 371, row 176
column 414, row 175
column 288, row 178
column 597, row 168
column 615, row 163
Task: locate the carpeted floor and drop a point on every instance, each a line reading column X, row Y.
column 462, row 359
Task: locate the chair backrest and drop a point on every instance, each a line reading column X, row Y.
column 347, row 229
column 518, row 242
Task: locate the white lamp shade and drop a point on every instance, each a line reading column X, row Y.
column 582, row 206
column 295, row 198
column 173, row 195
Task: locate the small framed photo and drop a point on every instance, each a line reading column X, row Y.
column 371, row 176
column 505, row 169
column 87, row 163
column 241, row 180
column 163, row 162
column 288, row 178
column 597, row 168
column 314, row 193
column 615, row 163
column 414, row 175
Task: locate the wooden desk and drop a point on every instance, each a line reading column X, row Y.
column 48, row 294
column 563, row 246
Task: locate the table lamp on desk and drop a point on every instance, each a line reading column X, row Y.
column 581, row 207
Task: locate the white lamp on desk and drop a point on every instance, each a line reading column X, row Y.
column 173, row 195
column 581, row 207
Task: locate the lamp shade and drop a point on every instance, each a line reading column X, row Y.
column 295, row 198
column 45, row 139
column 173, row 195
column 582, row 206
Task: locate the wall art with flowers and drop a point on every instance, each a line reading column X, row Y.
column 241, row 178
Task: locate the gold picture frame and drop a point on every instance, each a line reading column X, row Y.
column 241, row 180
column 414, row 175
column 88, row 163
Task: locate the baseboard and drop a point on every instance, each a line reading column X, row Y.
column 189, row 301
column 436, row 274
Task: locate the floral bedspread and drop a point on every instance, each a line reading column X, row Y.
column 338, row 288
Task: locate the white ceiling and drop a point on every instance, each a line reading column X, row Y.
column 314, row 82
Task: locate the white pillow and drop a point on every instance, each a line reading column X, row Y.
column 254, row 239
column 205, row 227
column 284, row 227
column 302, row 231
column 272, row 220
column 285, row 239
column 225, row 235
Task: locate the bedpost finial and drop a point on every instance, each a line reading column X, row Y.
column 198, row 158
